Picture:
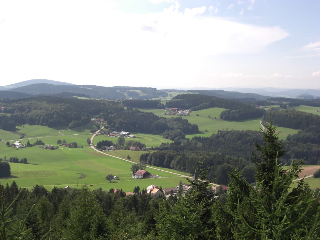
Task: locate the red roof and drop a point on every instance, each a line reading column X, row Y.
column 134, row 148
column 140, row 172
column 224, row 187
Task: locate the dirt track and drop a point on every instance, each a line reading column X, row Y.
column 306, row 171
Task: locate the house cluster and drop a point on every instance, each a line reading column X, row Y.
column 18, row 144
column 51, row 147
column 122, row 133
column 177, row 111
column 174, row 190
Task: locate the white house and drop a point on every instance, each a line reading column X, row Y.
column 18, row 144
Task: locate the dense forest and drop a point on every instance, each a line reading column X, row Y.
column 143, row 103
column 53, row 111
column 273, row 209
column 293, row 119
column 145, row 122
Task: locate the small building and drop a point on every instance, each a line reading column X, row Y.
column 223, row 187
column 123, row 133
column 134, row 148
column 18, row 144
column 154, row 191
column 140, row 174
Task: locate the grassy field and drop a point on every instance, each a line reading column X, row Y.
column 149, row 139
column 306, row 109
column 209, row 126
column 64, row 166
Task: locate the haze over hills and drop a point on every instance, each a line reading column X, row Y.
column 279, row 92
column 34, row 81
column 51, row 87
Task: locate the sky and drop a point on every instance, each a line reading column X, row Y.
column 185, row 44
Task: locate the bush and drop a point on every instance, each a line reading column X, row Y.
column 317, row 174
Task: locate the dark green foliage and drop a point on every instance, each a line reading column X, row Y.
column 293, row 119
column 132, row 143
column 317, row 174
column 135, row 167
column 143, row 103
column 5, row 170
column 174, row 135
column 38, row 142
column 120, row 142
column 272, row 210
column 104, row 143
column 145, row 122
column 109, row 177
column 54, row 111
column 191, row 216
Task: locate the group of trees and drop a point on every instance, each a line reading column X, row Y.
column 144, row 122
column 5, row 170
column 293, row 119
column 53, row 111
column 143, row 103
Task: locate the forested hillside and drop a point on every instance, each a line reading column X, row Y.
column 237, row 111
column 293, row 119
column 144, row 122
column 96, row 92
column 53, row 111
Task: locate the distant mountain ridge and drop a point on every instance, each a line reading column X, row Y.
column 33, row 81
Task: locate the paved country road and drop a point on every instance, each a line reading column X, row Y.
column 148, row 166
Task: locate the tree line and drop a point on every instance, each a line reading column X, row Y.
column 292, row 119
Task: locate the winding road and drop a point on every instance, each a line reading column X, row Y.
column 148, row 166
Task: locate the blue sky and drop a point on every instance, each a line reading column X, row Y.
column 162, row 43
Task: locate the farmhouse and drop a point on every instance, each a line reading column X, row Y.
column 141, row 174
column 18, row 144
column 154, row 191
column 134, row 148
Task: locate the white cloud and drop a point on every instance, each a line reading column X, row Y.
column 240, row 2
column 162, row 1
column 241, row 12
column 310, row 50
column 213, row 9
column 93, row 42
column 313, row 48
column 194, row 11
column 231, row 6
column 316, row 74
column 251, row 6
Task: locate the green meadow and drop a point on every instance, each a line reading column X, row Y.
column 209, row 122
column 149, row 139
column 306, row 109
column 65, row 166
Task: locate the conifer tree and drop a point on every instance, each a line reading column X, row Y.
column 275, row 209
